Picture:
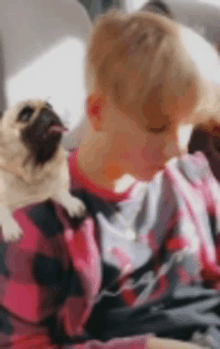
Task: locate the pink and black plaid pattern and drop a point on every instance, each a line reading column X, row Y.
column 58, row 283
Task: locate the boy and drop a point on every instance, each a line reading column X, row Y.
column 145, row 254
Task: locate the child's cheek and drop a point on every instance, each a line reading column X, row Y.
column 171, row 150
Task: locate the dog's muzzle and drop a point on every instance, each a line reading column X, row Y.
column 43, row 136
column 50, row 123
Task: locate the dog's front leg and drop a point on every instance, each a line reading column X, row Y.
column 74, row 206
column 11, row 230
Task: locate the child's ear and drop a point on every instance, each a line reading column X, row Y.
column 157, row 121
column 94, row 106
column 181, row 107
column 164, row 110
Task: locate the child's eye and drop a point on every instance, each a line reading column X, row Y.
column 25, row 114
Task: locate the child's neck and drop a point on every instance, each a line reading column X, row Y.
column 101, row 170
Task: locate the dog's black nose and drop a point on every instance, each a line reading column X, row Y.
column 48, row 116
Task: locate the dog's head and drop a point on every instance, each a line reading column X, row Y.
column 35, row 128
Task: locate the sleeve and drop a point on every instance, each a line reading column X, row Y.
column 206, row 210
column 211, row 192
column 24, row 301
column 136, row 342
column 34, row 288
column 18, row 334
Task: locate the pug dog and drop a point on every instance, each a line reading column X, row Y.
column 33, row 163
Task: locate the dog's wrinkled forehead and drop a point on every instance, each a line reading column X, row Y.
column 35, row 104
column 29, row 110
column 24, row 112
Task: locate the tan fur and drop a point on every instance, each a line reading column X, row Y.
column 21, row 182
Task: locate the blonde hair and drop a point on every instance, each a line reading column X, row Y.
column 139, row 62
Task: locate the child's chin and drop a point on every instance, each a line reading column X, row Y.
column 148, row 173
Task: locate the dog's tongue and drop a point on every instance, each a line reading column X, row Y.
column 57, row 129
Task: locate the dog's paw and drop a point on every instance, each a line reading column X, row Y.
column 76, row 208
column 11, row 231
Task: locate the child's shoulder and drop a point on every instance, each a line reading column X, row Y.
column 191, row 167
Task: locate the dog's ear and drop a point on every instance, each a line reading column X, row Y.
column 49, row 106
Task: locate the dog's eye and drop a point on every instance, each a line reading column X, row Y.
column 25, row 114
